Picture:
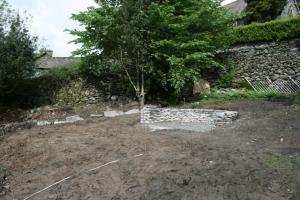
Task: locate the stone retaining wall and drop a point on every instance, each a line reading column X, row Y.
column 152, row 114
column 80, row 91
column 275, row 60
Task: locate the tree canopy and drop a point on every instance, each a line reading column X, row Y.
column 265, row 10
column 17, row 47
column 168, row 42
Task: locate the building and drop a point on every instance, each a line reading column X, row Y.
column 240, row 6
column 290, row 10
column 46, row 61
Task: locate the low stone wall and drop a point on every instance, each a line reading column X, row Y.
column 275, row 60
column 153, row 114
column 80, row 91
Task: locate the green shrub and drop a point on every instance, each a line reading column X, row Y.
column 297, row 102
column 226, row 81
column 67, row 73
column 261, row 32
column 214, row 97
column 241, row 95
column 243, row 84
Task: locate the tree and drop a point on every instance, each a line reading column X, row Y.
column 166, row 42
column 264, row 10
column 184, row 42
column 17, row 47
column 114, row 38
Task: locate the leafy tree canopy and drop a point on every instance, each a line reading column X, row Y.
column 170, row 42
column 17, row 49
column 265, row 10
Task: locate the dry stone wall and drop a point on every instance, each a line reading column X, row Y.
column 276, row 60
column 81, row 91
column 153, row 114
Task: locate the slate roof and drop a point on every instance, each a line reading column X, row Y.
column 238, row 6
column 47, row 61
column 55, row 62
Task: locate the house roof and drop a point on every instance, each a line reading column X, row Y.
column 54, row 62
column 47, row 61
column 238, row 6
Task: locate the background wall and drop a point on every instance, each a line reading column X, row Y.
column 276, row 60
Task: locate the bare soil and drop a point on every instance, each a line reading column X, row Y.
column 231, row 162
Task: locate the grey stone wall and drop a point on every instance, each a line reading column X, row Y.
column 275, row 60
column 81, row 91
column 153, row 114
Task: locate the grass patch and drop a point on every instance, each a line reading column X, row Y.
column 213, row 97
column 290, row 166
column 296, row 104
column 283, row 163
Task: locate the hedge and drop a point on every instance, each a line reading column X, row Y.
column 262, row 32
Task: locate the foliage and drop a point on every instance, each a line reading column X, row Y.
column 264, row 10
column 115, row 40
column 170, row 42
column 283, row 163
column 66, row 73
column 214, row 97
column 226, row 81
column 288, row 165
column 261, row 32
column 297, row 102
column 183, row 39
column 17, row 47
column 243, row 84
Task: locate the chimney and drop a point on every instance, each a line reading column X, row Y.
column 49, row 53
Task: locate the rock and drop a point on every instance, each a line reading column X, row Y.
column 7, row 186
column 96, row 115
column 69, row 120
column 114, row 98
column 43, row 123
column 73, row 119
column 113, row 113
column 200, row 87
column 220, row 115
column 133, row 111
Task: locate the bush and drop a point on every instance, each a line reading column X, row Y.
column 264, row 10
column 214, row 97
column 297, row 102
column 262, row 32
column 17, row 47
column 226, row 81
column 241, row 95
column 42, row 90
column 243, row 84
column 67, row 73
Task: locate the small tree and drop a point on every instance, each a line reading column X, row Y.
column 184, row 42
column 115, row 36
column 17, row 47
column 265, row 10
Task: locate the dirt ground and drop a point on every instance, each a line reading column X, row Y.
column 254, row 158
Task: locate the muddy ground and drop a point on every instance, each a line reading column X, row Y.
column 254, row 158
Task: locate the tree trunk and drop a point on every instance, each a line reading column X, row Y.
column 142, row 95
